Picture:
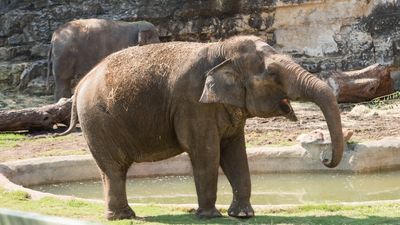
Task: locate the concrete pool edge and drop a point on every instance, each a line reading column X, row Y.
column 36, row 195
column 363, row 157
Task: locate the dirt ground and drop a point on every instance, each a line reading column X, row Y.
column 368, row 123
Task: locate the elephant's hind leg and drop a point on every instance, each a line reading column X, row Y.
column 113, row 173
column 235, row 166
column 105, row 139
column 114, row 183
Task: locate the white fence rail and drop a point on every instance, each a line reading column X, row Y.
column 11, row 217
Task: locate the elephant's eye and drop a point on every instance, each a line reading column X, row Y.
column 271, row 76
column 266, row 74
column 284, row 105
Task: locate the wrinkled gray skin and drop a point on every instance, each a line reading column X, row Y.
column 77, row 46
column 153, row 102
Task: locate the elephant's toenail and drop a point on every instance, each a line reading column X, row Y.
column 242, row 214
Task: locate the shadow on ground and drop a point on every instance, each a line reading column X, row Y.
column 335, row 219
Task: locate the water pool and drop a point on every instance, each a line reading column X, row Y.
column 267, row 189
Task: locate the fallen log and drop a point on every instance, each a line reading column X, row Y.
column 40, row 118
column 360, row 85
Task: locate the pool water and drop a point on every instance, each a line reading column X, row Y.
column 267, row 189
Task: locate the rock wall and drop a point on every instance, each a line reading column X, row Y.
column 321, row 34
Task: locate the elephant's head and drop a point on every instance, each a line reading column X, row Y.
column 148, row 37
column 254, row 77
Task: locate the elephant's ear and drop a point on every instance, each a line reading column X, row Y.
column 223, row 86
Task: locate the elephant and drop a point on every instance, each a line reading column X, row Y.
column 77, row 46
column 152, row 102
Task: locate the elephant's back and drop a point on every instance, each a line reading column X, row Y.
column 91, row 34
column 85, row 25
column 160, row 53
column 86, row 42
column 147, row 68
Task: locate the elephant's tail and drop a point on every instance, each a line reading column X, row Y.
column 74, row 116
column 49, row 67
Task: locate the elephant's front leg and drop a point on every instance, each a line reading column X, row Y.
column 62, row 89
column 205, row 163
column 235, row 166
column 200, row 138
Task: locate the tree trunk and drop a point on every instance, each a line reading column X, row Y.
column 360, row 85
column 40, row 118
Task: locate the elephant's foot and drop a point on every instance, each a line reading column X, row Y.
column 241, row 210
column 207, row 213
column 120, row 214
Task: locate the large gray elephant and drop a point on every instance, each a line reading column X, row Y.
column 153, row 102
column 77, row 46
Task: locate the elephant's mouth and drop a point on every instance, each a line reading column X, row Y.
column 287, row 110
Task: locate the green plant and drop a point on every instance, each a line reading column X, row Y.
column 10, row 139
column 388, row 101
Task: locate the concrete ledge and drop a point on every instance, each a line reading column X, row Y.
column 364, row 157
column 358, row 158
column 49, row 170
column 10, row 217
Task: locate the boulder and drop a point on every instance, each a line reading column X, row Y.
column 317, row 143
column 15, row 53
column 10, row 74
column 40, row 50
column 34, row 72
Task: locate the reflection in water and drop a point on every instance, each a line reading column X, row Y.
column 267, row 189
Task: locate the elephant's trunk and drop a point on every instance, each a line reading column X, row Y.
column 300, row 84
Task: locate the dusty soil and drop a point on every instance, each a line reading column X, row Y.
column 367, row 122
column 13, row 100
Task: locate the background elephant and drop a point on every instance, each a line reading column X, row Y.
column 153, row 102
column 77, row 46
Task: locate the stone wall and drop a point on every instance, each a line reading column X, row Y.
column 321, row 34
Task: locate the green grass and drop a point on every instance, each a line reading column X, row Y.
column 308, row 214
column 10, row 140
